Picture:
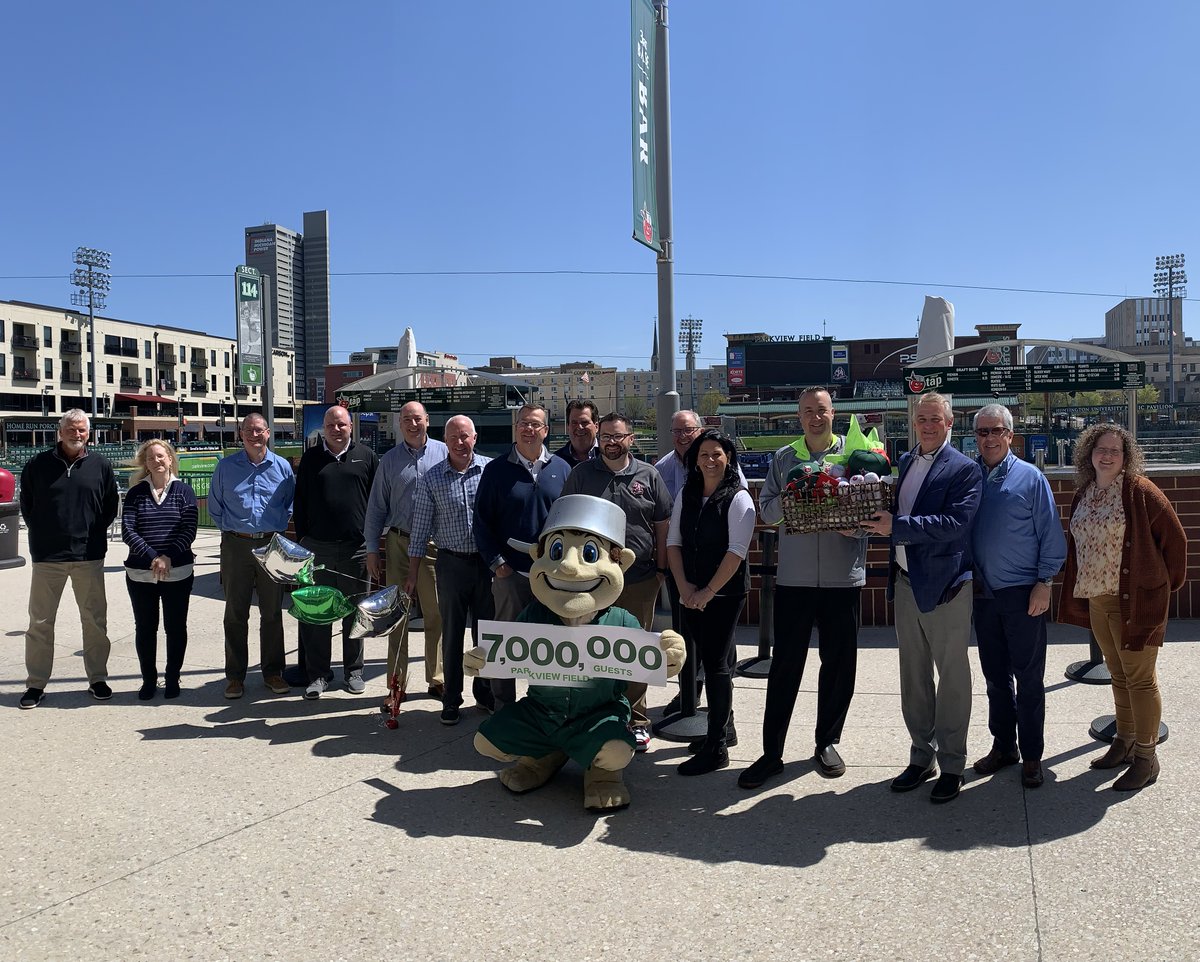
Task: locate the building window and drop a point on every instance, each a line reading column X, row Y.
column 47, row 337
column 1156, row 367
column 149, row 382
column 227, row 364
column 214, row 381
column 1, row 330
column 289, row 367
column 213, row 357
column 110, row 373
column 227, row 380
column 146, row 350
column 183, row 380
column 49, row 367
column 182, row 354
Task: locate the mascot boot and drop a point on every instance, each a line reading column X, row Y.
column 528, row 773
column 603, row 785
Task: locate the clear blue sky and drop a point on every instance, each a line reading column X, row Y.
column 1047, row 146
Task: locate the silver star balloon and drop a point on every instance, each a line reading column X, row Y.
column 285, row 561
column 379, row 612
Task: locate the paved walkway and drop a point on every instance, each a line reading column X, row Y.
column 276, row 828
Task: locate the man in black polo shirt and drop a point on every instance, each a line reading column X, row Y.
column 333, row 483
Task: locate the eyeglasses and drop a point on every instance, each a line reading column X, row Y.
column 994, row 432
column 610, row 438
column 683, row 432
column 531, row 425
column 1109, row 452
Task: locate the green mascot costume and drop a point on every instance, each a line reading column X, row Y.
column 579, row 565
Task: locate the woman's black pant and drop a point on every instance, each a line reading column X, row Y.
column 712, row 632
column 145, row 598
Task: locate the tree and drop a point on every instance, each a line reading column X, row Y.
column 709, row 404
column 634, row 407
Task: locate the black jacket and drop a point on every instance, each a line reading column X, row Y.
column 68, row 507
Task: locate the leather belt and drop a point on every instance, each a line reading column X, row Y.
column 465, row 555
column 260, row 536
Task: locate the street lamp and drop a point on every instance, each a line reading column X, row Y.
column 1169, row 282
column 93, row 279
column 45, row 400
column 182, row 398
column 689, row 342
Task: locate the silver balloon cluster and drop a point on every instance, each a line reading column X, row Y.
column 288, row 563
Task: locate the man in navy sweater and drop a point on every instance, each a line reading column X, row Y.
column 513, row 500
column 68, row 500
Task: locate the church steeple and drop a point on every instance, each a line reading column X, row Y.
column 654, row 352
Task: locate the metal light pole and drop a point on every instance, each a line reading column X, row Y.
column 45, row 399
column 182, row 398
column 1169, row 281
column 93, row 279
column 689, row 342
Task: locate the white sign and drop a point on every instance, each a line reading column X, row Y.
column 563, row 656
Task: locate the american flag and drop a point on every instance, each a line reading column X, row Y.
column 585, row 378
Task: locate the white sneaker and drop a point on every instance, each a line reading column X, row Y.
column 355, row 683
column 641, row 735
column 314, row 690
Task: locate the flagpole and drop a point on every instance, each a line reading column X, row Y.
column 668, row 396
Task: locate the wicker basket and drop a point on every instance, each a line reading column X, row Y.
column 851, row 505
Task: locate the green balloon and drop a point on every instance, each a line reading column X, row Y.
column 319, row 605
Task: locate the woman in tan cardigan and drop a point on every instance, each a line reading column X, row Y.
column 1126, row 553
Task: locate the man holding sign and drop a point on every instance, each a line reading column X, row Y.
column 576, row 706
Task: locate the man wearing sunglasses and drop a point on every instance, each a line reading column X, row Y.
column 639, row 490
column 1019, row 546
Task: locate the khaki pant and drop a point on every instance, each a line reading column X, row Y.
column 242, row 577
column 1135, row 691
column 397, row 574
column 638, row 599
column 45, row 592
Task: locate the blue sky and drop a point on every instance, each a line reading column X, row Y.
column 1040, row 146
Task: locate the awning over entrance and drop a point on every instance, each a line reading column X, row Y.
column 145, row 399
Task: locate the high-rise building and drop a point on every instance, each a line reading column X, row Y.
column 298, row 267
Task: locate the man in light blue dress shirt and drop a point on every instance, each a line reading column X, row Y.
column 250, row 499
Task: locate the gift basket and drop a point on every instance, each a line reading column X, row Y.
column 840, row 491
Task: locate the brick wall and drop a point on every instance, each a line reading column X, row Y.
column 1180, row 483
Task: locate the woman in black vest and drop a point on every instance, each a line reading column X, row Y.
column 711, row 527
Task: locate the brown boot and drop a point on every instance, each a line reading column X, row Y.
column 1143, row 772
column 1119, row 753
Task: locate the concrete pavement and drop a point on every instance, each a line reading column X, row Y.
column 278, row 828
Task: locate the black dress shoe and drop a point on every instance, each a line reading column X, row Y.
column 829, row 762
column 912, row 777
column 995, row 760
column 754, row 776
column 946, row 788
column 708, row 759
column 1031, row 774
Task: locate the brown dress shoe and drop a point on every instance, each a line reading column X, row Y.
column 234, row 688
column 277, row 684
column 1119, row 753
column 1143, row 772
column 1031, row 774
column 437, row 690
column 995, row 760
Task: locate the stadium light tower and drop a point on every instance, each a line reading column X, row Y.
column 1169, row 282
column 689, row 342
column 93, row 279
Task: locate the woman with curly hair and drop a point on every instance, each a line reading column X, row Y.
column 707, row 543
column 1126, row 553
column 158, row 522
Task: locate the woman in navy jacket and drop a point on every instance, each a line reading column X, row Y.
column 158, row 522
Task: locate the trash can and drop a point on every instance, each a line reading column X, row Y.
column 10, row 524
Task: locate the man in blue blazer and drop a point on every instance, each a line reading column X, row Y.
column 930, row 582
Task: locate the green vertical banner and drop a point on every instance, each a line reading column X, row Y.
column 248, row 298
column 645, row 191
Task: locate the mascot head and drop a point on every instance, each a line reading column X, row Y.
column 580, row 559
